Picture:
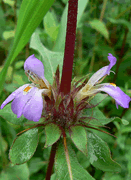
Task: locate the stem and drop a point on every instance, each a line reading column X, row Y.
column 51, row 161
column 97, row 36
column 27, row 51
column 67, row 157
column 103, row 10
column 15, row 13
column 69, row 47
column 123, row 12
column 121, row 55
column 122, row 49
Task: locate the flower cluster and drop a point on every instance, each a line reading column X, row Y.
column 40, row 99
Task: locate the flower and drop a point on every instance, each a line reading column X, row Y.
column 92, row 87
column 28, row 99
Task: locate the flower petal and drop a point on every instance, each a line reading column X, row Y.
column 120, row 97
column 34, row 65
column 112, row 60
column 33, row 109
column 20, row 101
column 13, row 95
column 102, row 72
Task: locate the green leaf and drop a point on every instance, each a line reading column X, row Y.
column 60, row 41
column 19, row 64
column 50, row 59
column 100, row 27
column 62, row 171
column 99, row 154
column 36, row 164
column 9, row 2
column 24, row 147
column 112, row 176
column 83, row 160
column 8, row 34
column 30, row 15
column 7, row 114
column 98, row 98
column 120, row 21
column 79, row 138
column 125, row 130
column 53, row 177
column 96, row 117
column 53, row 133
column 3, row 145
column 16, row 172
column 50, row 25
column 124, row 121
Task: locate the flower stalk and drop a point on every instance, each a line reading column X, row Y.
column 69, row 47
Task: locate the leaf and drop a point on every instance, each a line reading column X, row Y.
column 53, row 177
column 7, row 114
column 36, row 164
column 79, row 138
column 50, row 59
column 83, row 160
column 53, row 133
column 112, row 176
column 50, row 25
column 16, row 172
column 120, row 21
column 99, row 154
column 98, row 98
column 24, row 147
column 9, row 2
column 124, row 121
column 60, row 41
column 61, row 167
column 96, row 117
column 30, row 15
column 3, row 145
column 126, row 130
column 100, row 27
column 8, row 34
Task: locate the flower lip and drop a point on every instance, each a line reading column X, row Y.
column 34, row 65
column 34, row 69
column 120, row 97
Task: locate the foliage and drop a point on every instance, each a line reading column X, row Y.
column 41, row 30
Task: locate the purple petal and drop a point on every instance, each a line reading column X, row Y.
column 13, row 95
column 20, row 101
column 120, row 97
column 103, row 71
column 34, row 65
column 112, row 60
column 33, row 109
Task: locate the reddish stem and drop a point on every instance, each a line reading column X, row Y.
column 51, row 161
column 69, row 47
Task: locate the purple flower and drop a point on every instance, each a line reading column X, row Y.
column 92, row 87
column 28, row 99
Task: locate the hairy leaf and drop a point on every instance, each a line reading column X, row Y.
column 24, row 147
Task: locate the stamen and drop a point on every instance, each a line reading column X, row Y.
column 27, row 89
column 113, row 84
column 35, row 79
column 101, row 79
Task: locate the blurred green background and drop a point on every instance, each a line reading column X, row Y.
column 104, row 27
